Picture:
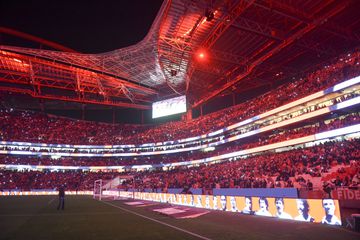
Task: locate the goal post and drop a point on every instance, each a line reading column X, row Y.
column 97, row 189
column 110, row 189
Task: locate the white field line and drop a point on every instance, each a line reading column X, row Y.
column 59, row 213
column 50, row 201
column 160, row 222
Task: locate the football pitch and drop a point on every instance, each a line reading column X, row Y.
column 36, row 217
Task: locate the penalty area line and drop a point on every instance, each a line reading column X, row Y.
column 50, row 201
column 157, row 221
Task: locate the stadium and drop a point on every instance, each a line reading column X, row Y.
column 180, row 119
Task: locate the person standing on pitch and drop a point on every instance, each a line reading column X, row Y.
column 61, row 198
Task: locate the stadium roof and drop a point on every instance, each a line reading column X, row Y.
column 199, row 48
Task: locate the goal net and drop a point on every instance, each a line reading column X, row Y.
column 110, row 189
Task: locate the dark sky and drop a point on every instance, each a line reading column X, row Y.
column 85, row 26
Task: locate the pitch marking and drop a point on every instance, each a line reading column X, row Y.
column 154, row 220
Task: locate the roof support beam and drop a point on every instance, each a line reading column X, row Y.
column 317, row 22
column 222, row 25
column 59, row 62
column 84, row 100
column 234, row 12
column 7, row 56
column 33, row 82
column 36, row 39
column 291, row 12
column 277, row 34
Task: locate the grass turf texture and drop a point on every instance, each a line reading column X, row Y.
column 36, row 217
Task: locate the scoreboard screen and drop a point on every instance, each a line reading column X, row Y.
column 169, row 107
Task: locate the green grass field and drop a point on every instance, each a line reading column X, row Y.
column 36, row 217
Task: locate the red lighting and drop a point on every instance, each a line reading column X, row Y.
column 201, row 55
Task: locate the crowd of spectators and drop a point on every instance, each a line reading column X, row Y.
column 38, row 127
column 30, row 180
column 217, row 139
column 256, row 141
column 266, row 170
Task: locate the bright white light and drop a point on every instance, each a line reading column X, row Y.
column 338, row 132
column 169, row 107
column 346, row 84
column 345, row 104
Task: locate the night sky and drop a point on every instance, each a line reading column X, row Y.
column 85, row 26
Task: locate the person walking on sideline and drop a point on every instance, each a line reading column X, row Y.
column 61, row 198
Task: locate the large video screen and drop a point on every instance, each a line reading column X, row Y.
column 169, row 107
column 326, row 211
